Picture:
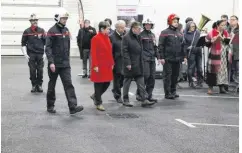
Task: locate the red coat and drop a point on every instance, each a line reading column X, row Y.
column 101, row 57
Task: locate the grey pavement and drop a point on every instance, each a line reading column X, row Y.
column 28, row 128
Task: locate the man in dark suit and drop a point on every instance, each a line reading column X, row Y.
column 133, row 64
column 116, row 40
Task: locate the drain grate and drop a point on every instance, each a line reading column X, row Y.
column 125, row 115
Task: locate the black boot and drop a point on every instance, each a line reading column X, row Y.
column 147, row 103
column 39, row 88
column 119, row 100
column 152, row 100
column 191, row 84
column 175, row 95
column 51, row 110
column 169, row 96
column 138, row 98
column 222, row 90
column 76, row 109
column 33, row 88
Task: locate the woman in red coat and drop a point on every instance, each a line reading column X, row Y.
column 101, row 63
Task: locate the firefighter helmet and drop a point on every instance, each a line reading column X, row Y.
column 171, row 18
column 62, row 13
column 33, row 17
column 148, row 21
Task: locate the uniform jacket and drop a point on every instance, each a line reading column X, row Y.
column 132, row 55
column 34, row 40
column 116, row 40
column 170, row 45
column 58, row 46
column 149, row 45
column 101, row 57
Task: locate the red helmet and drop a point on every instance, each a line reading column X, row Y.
column 172, row 17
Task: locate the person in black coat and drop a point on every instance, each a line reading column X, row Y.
column 58, row 55
column 116, row 40
column 171, row 54
column 84, row 38
column 33, row 41
column 132, row 52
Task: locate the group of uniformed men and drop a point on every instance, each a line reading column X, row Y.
column 134, row 54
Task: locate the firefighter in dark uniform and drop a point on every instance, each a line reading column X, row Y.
column 149, row 54
column 171, row 55
column 116, row 40
column 33, row 41
column 58, row 54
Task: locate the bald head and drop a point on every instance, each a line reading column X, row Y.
column 120, row 26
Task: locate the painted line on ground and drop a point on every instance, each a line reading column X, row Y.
column 223, row 125
column 202, row 96
column 196, row 96
column 186, row 123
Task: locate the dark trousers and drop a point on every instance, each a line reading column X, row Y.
column 149, row 77
column 171, row 73
column 140, row 85
column 36, row 65
column 195, row 62
column 99, row 89
column 117, row 85
column 86, row 56
column 65, row 75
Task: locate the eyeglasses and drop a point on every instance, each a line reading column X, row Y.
column 33, row 20
column 233, row 19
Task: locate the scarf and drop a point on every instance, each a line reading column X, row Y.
column 214, row 59
column 218, row 42
column 33, row 28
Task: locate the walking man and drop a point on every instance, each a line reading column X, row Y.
column 133, row 64
column 58, row 54
column 116, row 40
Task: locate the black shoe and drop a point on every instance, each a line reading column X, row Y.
column 76, row 109
column 175, row 95
column 169, row 96
column 147, row 103
column 191, row 84
column 119, row 100
column 84, row 76
column 127, row 104
column 222, row 90
column 51, row 110
column 153, row 100
column 226, row 88
column 138, row 98
column 39, row 88
column 33, row 89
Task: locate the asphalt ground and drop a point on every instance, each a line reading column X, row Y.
column 164, row 128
